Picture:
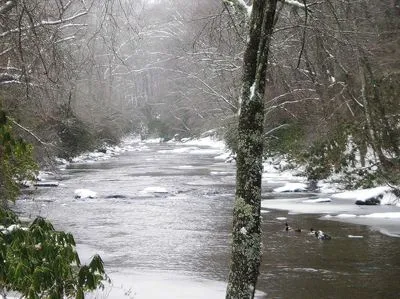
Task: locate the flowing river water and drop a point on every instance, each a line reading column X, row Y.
column 161, row 222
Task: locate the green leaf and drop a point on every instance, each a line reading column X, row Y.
column 97, row 264
column 90, row 281
column 82, row 276
column 40, row 262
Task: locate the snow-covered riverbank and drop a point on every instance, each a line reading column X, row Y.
column 377, row 207
column 160, row 217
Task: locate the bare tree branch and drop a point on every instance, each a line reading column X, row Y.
column 6, row 7
column 28, row 131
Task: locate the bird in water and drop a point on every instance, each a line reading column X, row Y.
column 288, row 228
column 320, row 235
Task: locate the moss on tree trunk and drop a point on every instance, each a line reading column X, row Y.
column 246, row 233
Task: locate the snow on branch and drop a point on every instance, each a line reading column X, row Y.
column 45, row 23
column 27, row 130
column 6, row 7
column 7, row 78
column 240, row 5
column 295, row 4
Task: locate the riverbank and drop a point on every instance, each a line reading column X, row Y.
column 378, row 207
column 162, row 216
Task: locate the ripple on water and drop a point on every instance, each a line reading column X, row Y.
column 177, row 244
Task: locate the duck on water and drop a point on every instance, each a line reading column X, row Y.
column 288, row 228
column 319, row 234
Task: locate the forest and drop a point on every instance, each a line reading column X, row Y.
column 78, row 74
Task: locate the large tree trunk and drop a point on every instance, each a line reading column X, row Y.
column 246, row 233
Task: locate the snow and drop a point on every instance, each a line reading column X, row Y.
column 185, row 167
column 247, row 7
column 390, row 199
column 128, row 143
column 152, row 140
column 281, row 218
column 162, row 285
column 277, row 172
column 383, row 193
column 281, row 170
column 11, row 228
column 345, row 216
column 392, row 215
column 153, row 284
column 292, row 187
column 208, row 141
column 328, row 187
column 252, row 91
column 334, row 205
column 154, row 189
column 295, row 3
column 363, row 194
column 317, row 200
column 387, row 223
column 84, row 193
column 207, row 144
column 296, row 205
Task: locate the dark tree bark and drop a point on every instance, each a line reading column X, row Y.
column 246, row 233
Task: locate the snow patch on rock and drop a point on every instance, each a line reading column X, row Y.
column 291, row 187
column 84, row 193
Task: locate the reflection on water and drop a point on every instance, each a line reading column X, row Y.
column 176, row 244
column 296, row 265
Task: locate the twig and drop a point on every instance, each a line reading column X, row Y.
column 28, row 131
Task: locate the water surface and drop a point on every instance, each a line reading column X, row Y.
column 162, row 223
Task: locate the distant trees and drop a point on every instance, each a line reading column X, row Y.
column 49, row 51
column 35, row 66
column 173, row 67
column 329, row 93
column 330, row 87
column 327, row 88
column 187, row 65
column 39, row 40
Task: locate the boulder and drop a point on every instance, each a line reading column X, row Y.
column 373, row 201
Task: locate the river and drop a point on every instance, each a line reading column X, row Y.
column 161, row 222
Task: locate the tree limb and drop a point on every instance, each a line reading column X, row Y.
column 240, row 5
column 28, row 131
column 296, row 4
column 6, row 7
column 44, row 23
